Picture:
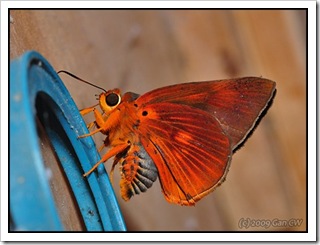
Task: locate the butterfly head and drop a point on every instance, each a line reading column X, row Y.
column 109, row 100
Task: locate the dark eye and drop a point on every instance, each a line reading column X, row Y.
column 112, row 99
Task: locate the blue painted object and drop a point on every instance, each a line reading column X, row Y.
column 32, row 206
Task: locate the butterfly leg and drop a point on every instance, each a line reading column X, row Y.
column 90, row 125
column 100, row 122
column 106, row 143
column 87, row 110
column 101, row 148
column 113, row 151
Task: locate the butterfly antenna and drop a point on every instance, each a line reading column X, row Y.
column 78, row 78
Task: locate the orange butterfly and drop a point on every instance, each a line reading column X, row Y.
column 184, row 133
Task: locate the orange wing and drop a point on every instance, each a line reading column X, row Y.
column 189, row 148
column 190, row 130
column 236, row 103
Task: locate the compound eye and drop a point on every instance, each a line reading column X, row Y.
column 112, row 99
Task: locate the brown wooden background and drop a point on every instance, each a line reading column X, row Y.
column 141, row 50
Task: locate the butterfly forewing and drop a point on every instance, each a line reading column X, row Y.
column 235, row 103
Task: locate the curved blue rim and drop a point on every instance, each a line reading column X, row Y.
column 31, row 201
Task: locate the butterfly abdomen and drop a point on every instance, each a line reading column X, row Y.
column 138, row 172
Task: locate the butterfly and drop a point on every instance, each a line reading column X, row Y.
column 185, row 134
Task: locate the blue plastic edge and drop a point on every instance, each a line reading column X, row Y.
column 31, row 202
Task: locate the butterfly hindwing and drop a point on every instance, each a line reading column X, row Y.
column 189, row 148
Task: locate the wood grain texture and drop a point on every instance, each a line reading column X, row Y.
column 141, row 50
